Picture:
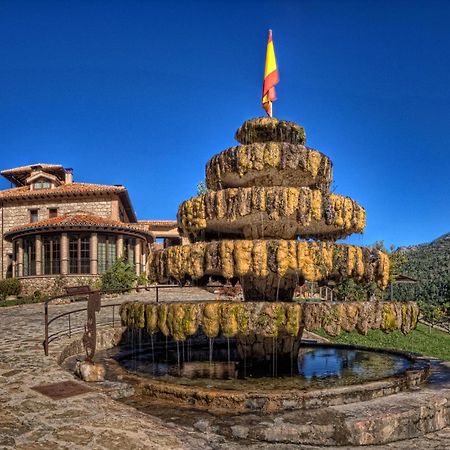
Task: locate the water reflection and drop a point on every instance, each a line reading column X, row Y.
column 219, row 366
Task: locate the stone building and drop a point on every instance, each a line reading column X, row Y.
column 165, row 233
column 58, row 232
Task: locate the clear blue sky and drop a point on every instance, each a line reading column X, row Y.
column 143, row 93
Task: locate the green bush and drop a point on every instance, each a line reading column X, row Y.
column 120, row 275
column 142, row 279
column 9, row 286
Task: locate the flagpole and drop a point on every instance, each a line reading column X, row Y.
column 271, row 77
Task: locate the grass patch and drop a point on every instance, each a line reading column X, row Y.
column 22, row 301
column 435, row 343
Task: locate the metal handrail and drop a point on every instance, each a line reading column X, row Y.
column 84, row 297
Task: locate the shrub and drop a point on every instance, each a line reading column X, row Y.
column 9, row 286
column 142, row 279
column 120, row 275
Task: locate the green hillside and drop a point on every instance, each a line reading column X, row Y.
column 430, row 264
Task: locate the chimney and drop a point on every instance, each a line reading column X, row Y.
column 68, row 178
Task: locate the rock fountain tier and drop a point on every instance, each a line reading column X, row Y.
column 269, row 164
column 270, row 212
column 267, row 319
column 270, row 269
column 265, row 129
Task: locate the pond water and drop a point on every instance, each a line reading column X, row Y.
column 217, row 365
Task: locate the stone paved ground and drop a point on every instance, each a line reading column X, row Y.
column 29, row 420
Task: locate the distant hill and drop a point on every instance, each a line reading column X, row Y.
column 430, row 264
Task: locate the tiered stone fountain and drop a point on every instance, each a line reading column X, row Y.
column 263, row 195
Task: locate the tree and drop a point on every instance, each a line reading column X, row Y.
column 202, row 188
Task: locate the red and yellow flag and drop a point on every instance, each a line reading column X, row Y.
column 271, row 77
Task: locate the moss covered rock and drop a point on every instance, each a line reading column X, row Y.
column 270, row 212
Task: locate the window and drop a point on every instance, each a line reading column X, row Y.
column 51, row 261
column 42, row 185
column 79, row 254
column 52, row 212
column 128, row 250
column 34, row 215
column 106, row 252
column 16, row 258
column 29, row 257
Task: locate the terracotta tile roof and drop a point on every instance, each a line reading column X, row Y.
column 29, row 168
column 60, row 191
column 78, row 221
column 19, row 175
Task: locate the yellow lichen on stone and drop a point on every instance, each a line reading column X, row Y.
column 162, row 319
column 389, row 322
column 305, row 260
column 244, row 162
column 151, row 318
column 292, row 255
column 243, row 257
column 258, row 156
column 314, row 160
column 272, row 155
column 359, row 262
column 327, row 258
column 226, row 257
column 337, row 204
column 293, row 313
column 260, row 258
column 228, row 320
column 384, row 268
column 175, row 324
column 282, row 258
column 197, row 259
column 221, row 205
column 361, row 219
column 292, row 201
column 351, row 260
column 348, row 213
column 316, row 204
column 191, row 319
column 211, row 319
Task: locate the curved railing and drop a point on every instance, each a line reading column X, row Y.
column 71, row 327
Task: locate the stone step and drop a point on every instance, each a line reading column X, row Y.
column 379, row 421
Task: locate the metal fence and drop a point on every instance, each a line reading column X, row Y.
column 73, row 321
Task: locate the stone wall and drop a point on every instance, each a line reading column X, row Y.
column 17, row 213
column 55, row 285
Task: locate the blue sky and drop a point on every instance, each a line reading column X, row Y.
column 143, row 93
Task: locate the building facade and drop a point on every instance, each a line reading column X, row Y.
column 58, row 232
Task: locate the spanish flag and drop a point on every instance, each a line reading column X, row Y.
column 270, row 77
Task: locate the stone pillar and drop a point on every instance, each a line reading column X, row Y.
column 64, row 254
column 144, row 256
column 39, row 254
column 137, row 256
column 93, row 250
column 119, row 246
column 20, row 259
